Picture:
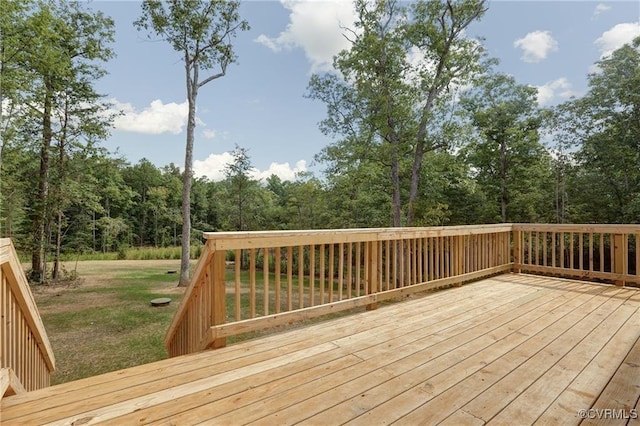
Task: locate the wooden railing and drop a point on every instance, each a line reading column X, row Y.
column 246, row 281
column 600, row 252
column 26, row 357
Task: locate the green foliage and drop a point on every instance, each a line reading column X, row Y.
column 599, row 134
column 407, row 145
column 388, row 104
column 511, row 167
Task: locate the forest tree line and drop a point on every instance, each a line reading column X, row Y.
column 443, row 141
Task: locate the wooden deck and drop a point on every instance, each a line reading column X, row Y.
column 513, row 349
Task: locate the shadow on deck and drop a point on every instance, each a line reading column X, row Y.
column 512, row 349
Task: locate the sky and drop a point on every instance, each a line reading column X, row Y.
column 260, row 105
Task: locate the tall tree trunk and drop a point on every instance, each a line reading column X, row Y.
column 504, row 197
column 397, row 203
column 62, row 171
column 37, row 252
column 55, row 273
column 186, row 190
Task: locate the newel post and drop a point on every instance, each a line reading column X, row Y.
column 372, row 264
column 218, row 295
column 619, row 259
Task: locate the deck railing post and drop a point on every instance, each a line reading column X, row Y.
column 458, row 261
column 219, row 307
column 618, row 261
column 517, row 250
column 372, row 264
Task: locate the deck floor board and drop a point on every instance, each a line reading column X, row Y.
column 512, row 349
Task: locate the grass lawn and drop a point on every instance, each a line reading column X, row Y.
column 104, row 321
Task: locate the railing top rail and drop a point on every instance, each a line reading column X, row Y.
column 11, row 266
column 255, row 239
column 584, row 228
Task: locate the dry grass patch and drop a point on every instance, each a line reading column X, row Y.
column 104, row 322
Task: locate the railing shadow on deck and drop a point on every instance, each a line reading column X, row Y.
column 26, row 357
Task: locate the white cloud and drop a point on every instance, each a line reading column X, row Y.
column 282, row 170
column 209, row 133
column 536, row 45
column 213, row 168
column 155, row 119
column 559, row 88
column 315, row 26
column 600, row 8
column 617, row 37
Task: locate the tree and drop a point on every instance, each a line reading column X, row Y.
column 603, row 130
column 403, row 65
column 508, row 158
column 64, row 45
column 202, row 32
column 242, row 191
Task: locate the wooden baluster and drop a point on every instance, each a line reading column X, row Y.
column 277, row 272
column 238, row 290
column 331, row 272
column 252, row 283
column 372, row 267
column 289, row 278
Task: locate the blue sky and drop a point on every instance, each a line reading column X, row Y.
column 260, row 106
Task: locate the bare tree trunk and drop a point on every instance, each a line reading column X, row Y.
column 37, row 252
column 55, row 274
column 397, row 204
column 504, row 197
column 186, row 190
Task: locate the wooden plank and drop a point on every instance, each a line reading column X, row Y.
column 269, row 239
column 250, row 399
column 623, row 391
column 436, row 394
column 585, row 388
column 585, row 228
column 536, row 361
column 375, row 400
column 409, row 339
column 225, row 359
column 532, row 402
column 239, row 393
column 157, row 398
